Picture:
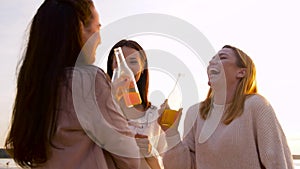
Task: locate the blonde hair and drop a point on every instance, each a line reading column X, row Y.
column 246, row 86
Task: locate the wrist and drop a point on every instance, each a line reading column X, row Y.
column 173, row 139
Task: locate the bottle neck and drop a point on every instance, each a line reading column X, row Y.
column 120, row 57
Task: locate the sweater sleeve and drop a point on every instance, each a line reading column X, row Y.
column 182, row 155
column 122, row 144
column 271, row 141
column 100, row 118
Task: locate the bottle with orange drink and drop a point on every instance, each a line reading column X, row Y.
column 129, row 93
column 174, row 103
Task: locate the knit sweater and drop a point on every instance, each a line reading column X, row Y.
column 254, row 140
column 91, row 133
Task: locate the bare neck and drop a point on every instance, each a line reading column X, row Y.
column 224, row 96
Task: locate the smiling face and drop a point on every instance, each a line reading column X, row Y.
column 133, row 60
column 91, row 36
column 223, row 70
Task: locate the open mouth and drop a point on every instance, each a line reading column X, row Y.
column 213, row 71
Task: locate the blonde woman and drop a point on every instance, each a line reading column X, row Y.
column 235, row 127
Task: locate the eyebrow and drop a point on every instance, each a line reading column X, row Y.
column 132, row 58
column 222, row 54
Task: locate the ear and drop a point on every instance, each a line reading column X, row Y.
column 241, row 73
column 83, row 32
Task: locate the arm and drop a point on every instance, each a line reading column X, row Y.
column 148, row 152
column 272, row 144
column 153, row 162
column 123, row 143
column 180, row 154
column 99, row 116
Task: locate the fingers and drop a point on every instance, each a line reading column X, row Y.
column 165, row 105
column 170, row 127
column 117, row 86
column 145, row 149
column 121, row 82
column 144, row 144
column 178, row 117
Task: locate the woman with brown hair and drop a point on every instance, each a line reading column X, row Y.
column 142, row 118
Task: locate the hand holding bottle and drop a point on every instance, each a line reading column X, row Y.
column 171, row 108
column 169, row 119
column 146, row 150
column 129, row 91
column 117, row 85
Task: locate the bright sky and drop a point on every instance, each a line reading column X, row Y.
column 266, row 30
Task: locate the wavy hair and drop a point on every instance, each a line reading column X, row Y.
column 247, row 86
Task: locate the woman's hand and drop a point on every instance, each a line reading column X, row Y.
column 118, row 85
column 146, row 150
column 171, row 129
column 144, row 144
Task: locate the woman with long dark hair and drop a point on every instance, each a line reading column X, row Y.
column 142, row 118
column 48, row 127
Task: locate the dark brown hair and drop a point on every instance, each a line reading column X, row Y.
column 143, row 82
column 54, row 43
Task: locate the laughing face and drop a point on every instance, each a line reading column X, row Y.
column 223, row 70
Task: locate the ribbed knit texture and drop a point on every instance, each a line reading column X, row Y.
column 254, row 140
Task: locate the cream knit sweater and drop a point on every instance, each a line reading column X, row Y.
column 254, row 140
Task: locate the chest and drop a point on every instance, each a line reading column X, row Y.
column 234, row 138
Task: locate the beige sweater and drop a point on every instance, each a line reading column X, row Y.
column 254, row 140
column 91, row 133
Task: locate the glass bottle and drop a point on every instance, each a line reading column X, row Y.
column 174, row 103
column 129, row 93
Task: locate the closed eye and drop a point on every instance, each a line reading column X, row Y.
column 222, row 56
column 133, row 62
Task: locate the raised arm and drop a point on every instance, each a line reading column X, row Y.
column 179, row 154
column 100, row 118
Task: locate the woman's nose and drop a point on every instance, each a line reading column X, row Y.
column 214, row 60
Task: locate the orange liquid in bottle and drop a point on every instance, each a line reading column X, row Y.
column 168, row 117
column 132, row 99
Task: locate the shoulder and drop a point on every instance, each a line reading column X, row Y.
column 194, row 108
column 84, row 70
column 256, row 100
column 259, row 106
column 87, row 76
column 94, row 73
column 192, row 112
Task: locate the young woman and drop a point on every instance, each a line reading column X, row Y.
column 51, row 125
column 142, row 118
column 235, row 127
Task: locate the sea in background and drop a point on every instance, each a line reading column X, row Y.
column 294, row 144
